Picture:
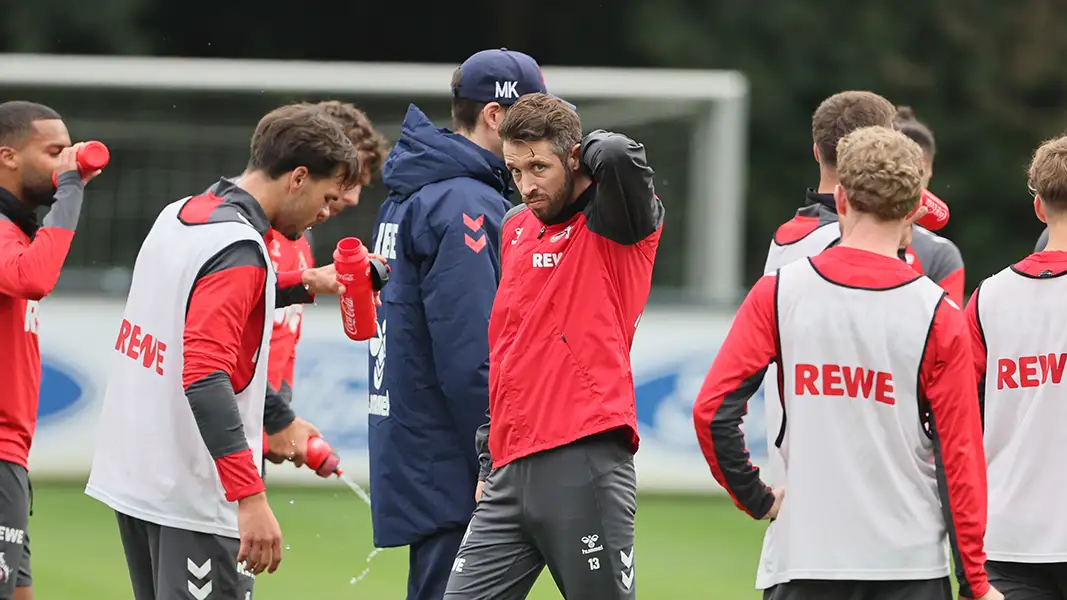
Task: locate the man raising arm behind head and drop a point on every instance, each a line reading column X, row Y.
column 882, row 439
column 576, row 265
column 1019, row 340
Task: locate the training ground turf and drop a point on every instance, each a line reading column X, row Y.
column 686, row 548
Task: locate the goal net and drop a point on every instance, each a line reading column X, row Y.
column 176, row 125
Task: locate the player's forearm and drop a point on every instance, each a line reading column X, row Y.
column 626, row 209
column 277, row 414
column 717, row 416
column 290, row 290
column 961, row 485
column 948, row 384
column 214, row 407
column 31, row 272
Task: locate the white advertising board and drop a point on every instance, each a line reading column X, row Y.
column 672, row 352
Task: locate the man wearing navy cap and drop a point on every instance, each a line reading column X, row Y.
column 439, row 228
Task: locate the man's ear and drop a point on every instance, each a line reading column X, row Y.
column 574, row 160
column 493, row 115
column 840, row 200
column 1039, row 210
column 297, row 178
column 815, row 152
column 9, row 157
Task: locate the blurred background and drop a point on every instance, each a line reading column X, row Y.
column 729, row 138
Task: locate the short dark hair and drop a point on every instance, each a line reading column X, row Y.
column 302, row 135
column 372, row 146
column 843, row 113
column 17, row 117
column 464, row 112
column 907, row 124
column 536, row 117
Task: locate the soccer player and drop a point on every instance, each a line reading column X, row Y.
column 1019, row 338
column 439, row 228
column 929, row 253
column 558, row 456
column 34, row 144
column 814, row 228
column 882, row 441
column 180, row 437
column 287, row 434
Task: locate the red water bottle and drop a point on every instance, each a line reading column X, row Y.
column 92, row 156
column 321, row 458
column 353, row 265
column 937, row 211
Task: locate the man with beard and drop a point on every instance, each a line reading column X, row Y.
column 34, row 144
column 558, row 486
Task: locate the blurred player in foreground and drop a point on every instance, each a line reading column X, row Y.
column 1019, row 339
column 929, row 253
column 287, row 434
column 179, row 445
column 440, row 230
column 883, row 439
column 576, row 268
column 34, row 143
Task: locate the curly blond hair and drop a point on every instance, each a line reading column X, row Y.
column 1047, row 176
column 882, row 172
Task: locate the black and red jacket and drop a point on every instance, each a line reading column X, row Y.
column 570, row 297
column 31, row 258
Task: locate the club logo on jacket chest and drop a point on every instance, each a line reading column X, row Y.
column 544, row 250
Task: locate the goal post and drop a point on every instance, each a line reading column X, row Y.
column 713, row 103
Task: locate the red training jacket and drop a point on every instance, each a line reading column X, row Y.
column 570, row 297
column 30, row 262
column 286, row 255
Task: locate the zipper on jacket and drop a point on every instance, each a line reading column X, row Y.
column 541, row 233
column 563, row 337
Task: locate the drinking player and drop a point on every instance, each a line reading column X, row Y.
column 34, row 144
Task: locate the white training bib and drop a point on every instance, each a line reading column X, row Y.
column 150, row 460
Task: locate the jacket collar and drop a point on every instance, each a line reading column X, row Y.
column 247, row 206
column 21, row 214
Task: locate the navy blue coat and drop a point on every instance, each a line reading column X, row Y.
column 429, row 364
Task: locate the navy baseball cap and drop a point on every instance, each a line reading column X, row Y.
column 500, row 76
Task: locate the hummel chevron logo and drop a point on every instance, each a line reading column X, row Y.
column 473, row 224
column 200, row 593
column 627, row 563
column 474, row 244
column 198, row 572
column 627, row 579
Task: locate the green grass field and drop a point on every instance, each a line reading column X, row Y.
column 686, row 548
